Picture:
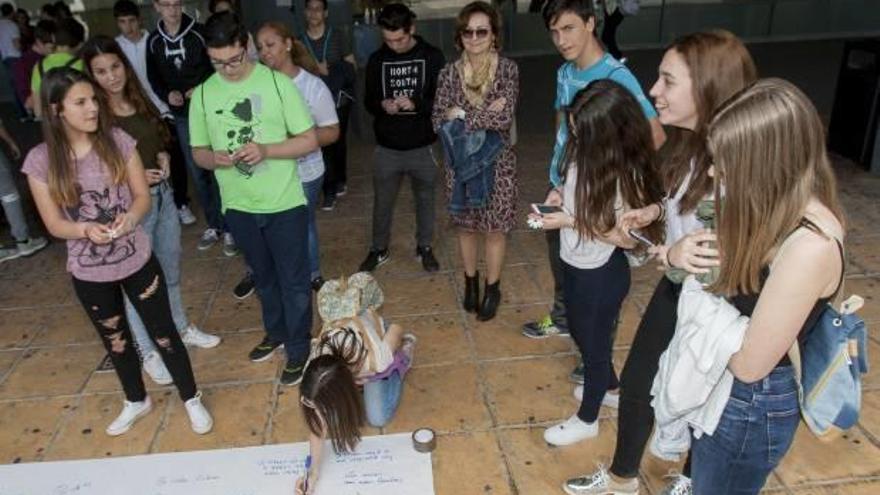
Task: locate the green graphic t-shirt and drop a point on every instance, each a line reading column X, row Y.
column 264, row 108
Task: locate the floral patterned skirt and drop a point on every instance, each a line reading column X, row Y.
column 499, row 215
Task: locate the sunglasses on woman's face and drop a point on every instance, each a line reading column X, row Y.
column 475, row 34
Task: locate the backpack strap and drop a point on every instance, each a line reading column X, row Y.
column 281, row 99
column 794, row 353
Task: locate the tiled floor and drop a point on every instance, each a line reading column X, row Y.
column 485, row 388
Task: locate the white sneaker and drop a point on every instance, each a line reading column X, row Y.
column 131, row 412
column 191, row 335
column 611, row 399
column 199, row 417
column 571, row 431
column 155, row 368
column 186, row 215
column 680, row 485
column 600, row 483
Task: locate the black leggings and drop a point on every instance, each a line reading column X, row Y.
column 148, row 294
column 592, row 300
column 635, row 418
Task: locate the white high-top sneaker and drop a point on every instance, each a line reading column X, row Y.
column 191, row 335
column 199, row 417
column 131, row 412
column 155, row 368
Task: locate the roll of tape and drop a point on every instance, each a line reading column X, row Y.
column 424, row 440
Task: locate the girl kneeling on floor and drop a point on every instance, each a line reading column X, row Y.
column 609, row 168
column 351, row 353
column 89, row 185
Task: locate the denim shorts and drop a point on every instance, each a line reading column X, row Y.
column 755, row 431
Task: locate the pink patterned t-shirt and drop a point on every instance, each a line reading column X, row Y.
column 100, row 201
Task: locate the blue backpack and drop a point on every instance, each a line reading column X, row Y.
column 829, row 365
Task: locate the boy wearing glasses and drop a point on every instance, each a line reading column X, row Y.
column 401, row 80
column 248, row 124
column 572, row 26
column 176, row 63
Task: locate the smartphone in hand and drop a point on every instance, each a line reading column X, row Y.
column 541, row 209
column 635, row 234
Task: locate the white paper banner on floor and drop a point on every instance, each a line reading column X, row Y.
column 382, row 465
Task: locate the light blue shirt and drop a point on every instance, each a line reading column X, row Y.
column 570, row 80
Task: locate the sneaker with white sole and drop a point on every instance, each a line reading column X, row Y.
column 571, row 431
column 156, row 370
column 611, row 399
column 199, row 417
column 208, row 239
column 680, row 485
column 186, row 215
column 600, row 483
column 543, row 328
column 191, row 335
column 23, row 249
column 131, row 412
column 229, row 247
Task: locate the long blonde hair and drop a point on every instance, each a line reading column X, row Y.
column 768, row 146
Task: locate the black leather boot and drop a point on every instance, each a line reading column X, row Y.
column 472, row 293
column 491, row 300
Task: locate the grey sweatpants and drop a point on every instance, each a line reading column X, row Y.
column 11, row 201
column 390, row 166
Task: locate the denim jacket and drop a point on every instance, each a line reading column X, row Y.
column 471, row 157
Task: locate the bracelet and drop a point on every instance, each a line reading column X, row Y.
column 662, row 215
column 666, row 259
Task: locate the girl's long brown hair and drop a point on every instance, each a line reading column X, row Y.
column 719, row 65
column 610, row 146
column 133, row 92
column 62, row 177
column 298, row 52
column 768, row 145
column 336, row 409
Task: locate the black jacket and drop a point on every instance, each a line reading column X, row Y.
column 413, row 74
column 178, row 62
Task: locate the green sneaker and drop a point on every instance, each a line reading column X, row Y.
column 577, row 374
column 543, row 328
column 292, row 373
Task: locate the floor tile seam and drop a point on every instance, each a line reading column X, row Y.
column 165, row 388
column 869, row 435
column 12, row 367
column 269, row 427
column 40, row 307
column 160, row 428
column 60, row 424
column 506, row 463
column 851, row 480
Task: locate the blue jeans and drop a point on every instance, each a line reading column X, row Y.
column 755, row 431
column 163, row 228
column 381, row 399
column 275, row 246
column 204, row 181
column 312, row 189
